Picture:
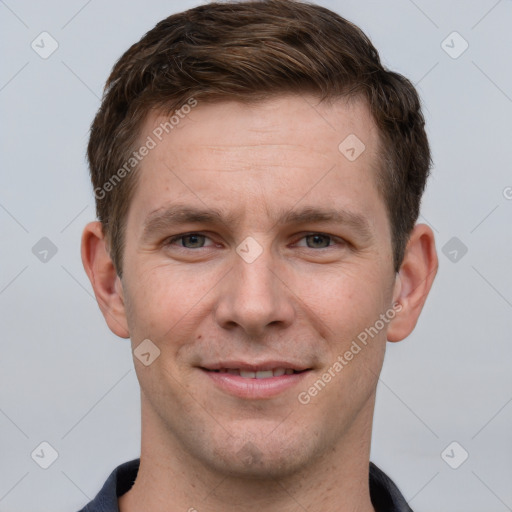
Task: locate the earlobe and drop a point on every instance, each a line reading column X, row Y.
column 106, row 283
column 413, row 281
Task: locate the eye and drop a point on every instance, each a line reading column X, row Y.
column 198, row 241
column 318, row 241
column 189, row 240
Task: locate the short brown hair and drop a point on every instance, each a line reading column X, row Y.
column 247, row 51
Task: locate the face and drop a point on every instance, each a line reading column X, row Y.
column 256, row 253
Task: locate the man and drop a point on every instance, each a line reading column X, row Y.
column 258, row 177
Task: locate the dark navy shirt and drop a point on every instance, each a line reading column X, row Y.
column 384, row 493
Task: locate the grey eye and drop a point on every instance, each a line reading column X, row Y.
column 318, row 241
column 193, row 241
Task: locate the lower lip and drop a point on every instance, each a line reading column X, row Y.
column 254, row 388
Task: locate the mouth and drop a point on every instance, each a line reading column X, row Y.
column 252, row 382
column 258, row 374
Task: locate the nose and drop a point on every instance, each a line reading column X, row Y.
column 254, row 297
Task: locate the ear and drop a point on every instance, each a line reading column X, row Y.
column 107, row 285
column 413, row 281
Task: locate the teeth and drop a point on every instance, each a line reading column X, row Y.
column 264, row 374
column 261, row 374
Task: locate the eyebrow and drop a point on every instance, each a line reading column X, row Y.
column 163, row 218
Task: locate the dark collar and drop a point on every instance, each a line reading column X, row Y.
column 384, row 493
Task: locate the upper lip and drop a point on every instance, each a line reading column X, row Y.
column 254, row 367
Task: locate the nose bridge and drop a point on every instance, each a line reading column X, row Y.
column 255, row 276
column 252, row 297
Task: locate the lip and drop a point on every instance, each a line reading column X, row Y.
column 253, row 388
column 255, row 367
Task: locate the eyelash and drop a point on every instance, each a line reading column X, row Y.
column 333, row 239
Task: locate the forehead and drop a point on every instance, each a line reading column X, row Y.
column 289, row 123
column 254, row 155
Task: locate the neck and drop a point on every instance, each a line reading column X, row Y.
column 171, row 480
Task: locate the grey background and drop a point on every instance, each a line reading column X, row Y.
column 65, row 379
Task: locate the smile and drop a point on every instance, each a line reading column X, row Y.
column 261, row 374
column 254, row 382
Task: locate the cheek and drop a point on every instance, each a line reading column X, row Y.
column 346, row 300
column 166, row 301
column 151, row 299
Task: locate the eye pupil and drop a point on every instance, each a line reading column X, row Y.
column 194, row 241
column 318, row 241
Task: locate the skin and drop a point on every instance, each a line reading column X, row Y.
column 304, row 299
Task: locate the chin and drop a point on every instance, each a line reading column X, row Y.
column 261, row 460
